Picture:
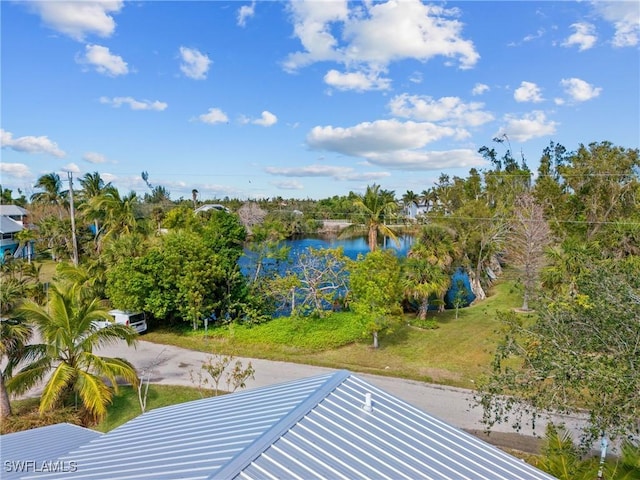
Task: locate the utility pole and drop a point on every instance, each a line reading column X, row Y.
column 73, row 220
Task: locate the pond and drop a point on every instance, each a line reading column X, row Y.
column 352, row 247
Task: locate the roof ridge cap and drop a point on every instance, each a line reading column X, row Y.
column 234, row 466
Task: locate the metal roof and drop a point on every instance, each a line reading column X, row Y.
column 13, row 211
column 311, row 428
column 8, row 225
column 39, row 445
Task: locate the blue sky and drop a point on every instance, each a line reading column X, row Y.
column 307, row 99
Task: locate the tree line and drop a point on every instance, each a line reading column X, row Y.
column 570, row 232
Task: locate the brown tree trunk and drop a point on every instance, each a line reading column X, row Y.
column 5, row 404
column 373, row 238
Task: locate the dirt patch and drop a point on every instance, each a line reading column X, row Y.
column 512, row 441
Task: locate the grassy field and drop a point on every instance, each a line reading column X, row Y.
column 456, row 353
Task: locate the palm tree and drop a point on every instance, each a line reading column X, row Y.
column 52, row 193
column 422, row 281
column 436, row 245
column 92, row 186
column 14, row 336
column 373, row 206
column 68, row 327
column 120, row 215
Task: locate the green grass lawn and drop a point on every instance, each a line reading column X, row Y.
column 456, row 353
column 125, row 406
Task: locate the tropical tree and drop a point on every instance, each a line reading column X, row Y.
column 14, row 335
column 68, row 327
column 376, row 291
column 120, row 211
column 423, row 280
column 51, row 193
column 432, row 256
column 373, row 207
column 93, row 186
column 579, row 354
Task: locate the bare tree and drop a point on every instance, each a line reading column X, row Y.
column 145, row 378
column 530, row 234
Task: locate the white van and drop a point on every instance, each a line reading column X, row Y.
column 137, row 320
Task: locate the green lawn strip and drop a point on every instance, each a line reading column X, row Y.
column 124, row 407
column 456, row 353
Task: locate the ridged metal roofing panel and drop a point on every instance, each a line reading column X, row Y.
column 339, row 439
column 39, row 445
column 193, row 439
column 311, row 428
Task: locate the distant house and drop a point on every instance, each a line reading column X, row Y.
column 413, row 210
column 14, row 212
column 325, row 427
column 13, row 219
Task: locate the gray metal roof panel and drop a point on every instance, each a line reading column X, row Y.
column 8, row 225
column 39, row 445
column 310, row 428
column 193, row 439
column 13, row 210
column 339, row 439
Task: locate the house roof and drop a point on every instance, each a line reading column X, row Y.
column 7, row 225
column 311, row 428
column 13, row 210
column 39, row 445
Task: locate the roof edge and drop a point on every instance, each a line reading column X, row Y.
column 234, row 466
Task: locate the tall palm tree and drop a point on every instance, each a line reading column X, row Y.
column 92, row 186
column 52, row 193
column 68, row 327
column 374, row 205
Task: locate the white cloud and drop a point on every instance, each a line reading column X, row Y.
column 78, row 19
column 337, row 173
column 427, row 160
column 15, row 170
column 448, row 110
column 288, row 185
column 71, row 167
column 579, row 90
column 103, row 61
column 584, row 36
column 312, row 26
column 194, row 64
column 479, row 89
column 531, row 125
column 213, row 116
column 625, row 17
column 108, row 177
column 416, row 77
column 30, row 144
column 134, row 104
column 95, row 158
column 246, row 11
column 379, row 136
column 528, row 92
column 267, row 119
column 359, row 81
column 374, row 35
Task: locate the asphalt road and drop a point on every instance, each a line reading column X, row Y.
column 172, row 366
